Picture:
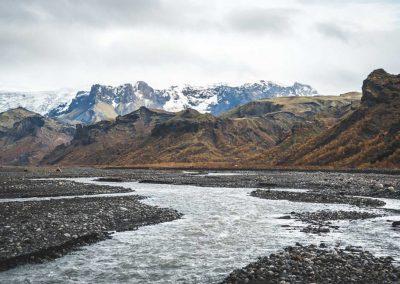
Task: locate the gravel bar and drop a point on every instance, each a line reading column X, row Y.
column 310, row 264
column 326, row 216
column 316, row 198
column 34, row 231
column 374, row 184
column 13, row 187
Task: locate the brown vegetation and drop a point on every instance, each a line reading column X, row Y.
column 25, row 137
column 331, row 132
column 155, row 137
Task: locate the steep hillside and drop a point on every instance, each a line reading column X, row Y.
column 107, row 102
column 25, row 136
column 153, row 136
column 107, row 141
column 369, row 137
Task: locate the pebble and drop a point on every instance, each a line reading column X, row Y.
column 396, row 224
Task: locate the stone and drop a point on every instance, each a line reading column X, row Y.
column 396, row 224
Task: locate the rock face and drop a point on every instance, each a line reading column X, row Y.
column 368, row 137
column 381, row 87
column 152, row 136
column 106, row 102
column 107, row 141
column 25, row 137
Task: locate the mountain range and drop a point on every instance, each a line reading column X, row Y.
column 107, row 102
column 151, row 136
column 352, row 130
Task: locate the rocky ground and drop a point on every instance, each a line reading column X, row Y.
column 320, row 222
column 310, row 264
column 374, row 184
column 12, row 187
column 37, row 230
column 316, row 198
column 327, row 216
column 33, row 231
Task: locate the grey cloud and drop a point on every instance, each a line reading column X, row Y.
column 333, row 30
column 80, row 41
column 272, row 20
column 95, row 13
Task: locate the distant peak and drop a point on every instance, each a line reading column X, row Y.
column 143, row 87
column 188, row 112
column 21, row 112
column 143, row 108
column 22, row 109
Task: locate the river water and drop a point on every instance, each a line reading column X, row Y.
column 222, row 229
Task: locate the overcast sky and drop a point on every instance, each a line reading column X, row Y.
column 329, row 44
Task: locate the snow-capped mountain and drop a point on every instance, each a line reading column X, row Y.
column 107, row 102
column 221, row 98
column 39, row 102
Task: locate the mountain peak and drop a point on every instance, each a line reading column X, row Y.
column 380, row 87
column 378, row 72
column 19, row 112
column 188, row 113
column 143, row 86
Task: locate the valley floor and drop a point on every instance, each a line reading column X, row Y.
column 42, row 220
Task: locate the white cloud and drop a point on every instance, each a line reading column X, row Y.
column 331, row 45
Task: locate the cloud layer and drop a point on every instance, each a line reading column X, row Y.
column 331, row 45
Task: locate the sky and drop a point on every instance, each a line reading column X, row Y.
column 330, row 44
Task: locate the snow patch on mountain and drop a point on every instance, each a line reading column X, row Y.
column 39, row 102
column 106, row 102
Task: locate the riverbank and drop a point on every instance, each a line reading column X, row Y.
column 310, row 264
column 382, row 185
column 14, row 187
column 311, row 197
column 35, row 231
column 25, row 243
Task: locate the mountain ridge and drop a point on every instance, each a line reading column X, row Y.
column 107, row 102
column 352, row 130
column 368, row 137
column 25, row 136
column 155, row 136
